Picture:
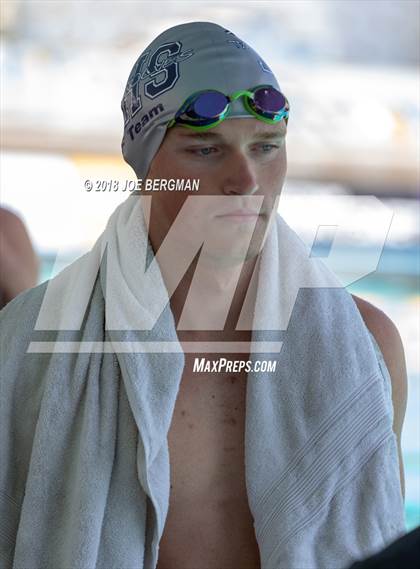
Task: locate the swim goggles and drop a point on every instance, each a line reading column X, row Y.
column 206, row 109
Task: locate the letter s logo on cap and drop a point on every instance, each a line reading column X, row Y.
column 164, row 60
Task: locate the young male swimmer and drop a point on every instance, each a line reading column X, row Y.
column 130, row 459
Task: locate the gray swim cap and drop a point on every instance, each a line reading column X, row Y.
column 181, row 60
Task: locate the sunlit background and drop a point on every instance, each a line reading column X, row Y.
column 350, row 70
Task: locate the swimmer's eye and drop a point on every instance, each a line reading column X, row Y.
column 209, row 150
column 203, row 151
column 270, row 146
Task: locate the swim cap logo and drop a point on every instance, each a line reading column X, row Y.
column 264, row 66
column 157, row 71
column 236, row 42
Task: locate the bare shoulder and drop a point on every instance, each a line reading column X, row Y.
column 14, row 233
column 9, row 220
column 389, row 341
column 7, row 214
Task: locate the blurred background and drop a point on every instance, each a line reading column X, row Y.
column 350, row 70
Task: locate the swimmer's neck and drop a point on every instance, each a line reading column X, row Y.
column 220, row 291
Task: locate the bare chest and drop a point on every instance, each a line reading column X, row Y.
column 209, row 524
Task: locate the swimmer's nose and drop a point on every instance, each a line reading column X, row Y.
column 240, row 177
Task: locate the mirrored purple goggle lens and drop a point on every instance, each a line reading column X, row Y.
column 209, row 105
column 269, row 100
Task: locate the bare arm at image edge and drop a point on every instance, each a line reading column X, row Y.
column 18, row 262
column 389, row 341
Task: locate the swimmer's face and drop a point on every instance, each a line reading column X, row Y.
column 242, row 161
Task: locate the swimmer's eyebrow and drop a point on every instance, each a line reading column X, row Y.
column 209, row 136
